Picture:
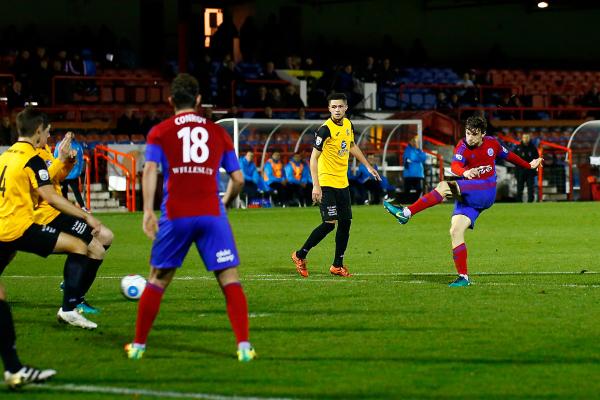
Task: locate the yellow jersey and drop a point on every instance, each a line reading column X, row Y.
column 22, row 171
column 44, row 213
column 334, row 141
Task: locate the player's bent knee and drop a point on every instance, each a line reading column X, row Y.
column 227, row 276
column 161, row 277
column 105, row 236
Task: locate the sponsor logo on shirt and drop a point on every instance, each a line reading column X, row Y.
column 344, row 149
column 224, row 256
column 43, row 174
column 490, row 152
column 484, row 169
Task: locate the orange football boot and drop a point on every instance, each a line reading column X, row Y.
column 340, row 271
column 300, row 265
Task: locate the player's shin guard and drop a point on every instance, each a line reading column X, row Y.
column 460, row 258
column 147, row 310
column 341, row 241
column 237, row 310
column 315, row 238
column 75, row 267
column 429, row 200
column 89, row 276
column 8, row 350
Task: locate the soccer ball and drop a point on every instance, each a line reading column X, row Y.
column 132, row 286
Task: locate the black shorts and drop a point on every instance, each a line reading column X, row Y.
column 37, row 239
column 335, row 204
column 73, row 226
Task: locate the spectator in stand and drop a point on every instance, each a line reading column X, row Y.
column 368, row 72
column 42, row 82
column 295, row 174
column 269, row 72
column 267, row 113
column 150, row 119
column 15, row 96
column 387, row 76
column 301, row 113
column 442, row 104
column 262, row 98
column 252, row 185
column 454, row 101
column 414, row 172
column 7, row 132
column 527, row 151
column 276, row 99
column 226, row 77
column 222, row 41
column 24, row 68
column 128, row 123
column 344, row 83
column 274, row 178
column 233, row 112
column 291, row 98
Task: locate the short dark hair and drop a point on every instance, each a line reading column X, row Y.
column 29, row 120
column 184, row 90
column 337, row 96
column 476, row 123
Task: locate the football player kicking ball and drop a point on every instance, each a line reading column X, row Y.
column 191, row 150
column 475, row 162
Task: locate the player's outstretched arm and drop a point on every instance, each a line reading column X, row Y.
column 356, row 152
column 150, row 222
column 234, row 187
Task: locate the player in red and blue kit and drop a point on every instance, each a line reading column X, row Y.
column 475, row 162
column 190, row 150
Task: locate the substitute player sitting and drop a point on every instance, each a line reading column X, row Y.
column 475, row 162
column 190, row 150
column 45, row 214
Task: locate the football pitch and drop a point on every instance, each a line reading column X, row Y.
column 528, row 327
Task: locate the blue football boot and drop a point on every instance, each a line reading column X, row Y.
column 396, row 211
column 459, row 282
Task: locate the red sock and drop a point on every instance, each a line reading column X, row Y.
column 460, row 258
column 147, row 311
column 237, row 309
column 429, row 200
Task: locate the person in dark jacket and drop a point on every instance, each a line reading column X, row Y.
column 527, row 151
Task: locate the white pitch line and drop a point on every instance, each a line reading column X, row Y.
column 144, row 392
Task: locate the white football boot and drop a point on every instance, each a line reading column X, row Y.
column 75, row 318
column 27, row 375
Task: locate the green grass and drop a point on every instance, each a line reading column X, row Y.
column 388, row 332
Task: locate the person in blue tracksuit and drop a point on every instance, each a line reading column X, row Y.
column 72, row 180
column 414, row 170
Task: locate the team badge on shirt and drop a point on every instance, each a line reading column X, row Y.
column 44, row 175
column 490, row 152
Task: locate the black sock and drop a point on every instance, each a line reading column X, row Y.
column 315, row 237
column 8, row 349
column 88, row 277
column 73, row 274
column 341, row 241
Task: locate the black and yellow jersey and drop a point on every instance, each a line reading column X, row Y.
column 43, row 212
column 21, row 172
column 334, row 141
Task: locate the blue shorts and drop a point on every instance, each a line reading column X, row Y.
column 477, row 196
column 212, row 235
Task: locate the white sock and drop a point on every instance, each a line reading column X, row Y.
column 244, row 345
column 464, row 276
column 139, row 346
column 406, row 212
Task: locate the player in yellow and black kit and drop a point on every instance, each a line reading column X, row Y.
column 24, row 180
column 334, row 142
column 45, row 214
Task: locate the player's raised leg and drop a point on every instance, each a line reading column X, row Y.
column 15, row 373
column 443, row 190
column 237, row 310
column 459, row 225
